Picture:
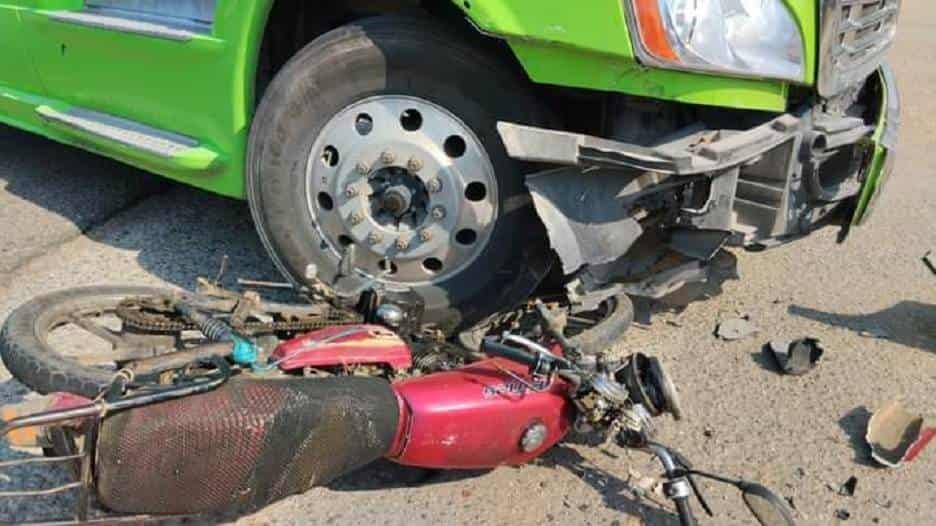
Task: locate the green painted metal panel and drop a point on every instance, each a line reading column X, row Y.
column 877, row 172
column 202, row 88
column 588, row 45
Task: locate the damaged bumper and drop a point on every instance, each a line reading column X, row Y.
column 766, row 185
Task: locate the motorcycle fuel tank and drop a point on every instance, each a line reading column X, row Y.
column 483, row 415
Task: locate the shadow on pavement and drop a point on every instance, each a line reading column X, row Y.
column 618, row 494
column 384, row 474
column 909, row 323
column 854, row 424
column 78, row 189
column 177, row 232
column 723, row 268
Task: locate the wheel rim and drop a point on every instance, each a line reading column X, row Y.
column 408, row 183
column 89, row 332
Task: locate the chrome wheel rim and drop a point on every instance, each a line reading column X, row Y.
column 408, row 183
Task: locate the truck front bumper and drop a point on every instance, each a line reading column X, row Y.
column 769, row 184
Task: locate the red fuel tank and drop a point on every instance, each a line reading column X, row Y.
column 344, row 345
column 482, row 415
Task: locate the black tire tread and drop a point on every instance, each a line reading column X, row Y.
column 605, row 334
column 463, row 51
column 42, row 369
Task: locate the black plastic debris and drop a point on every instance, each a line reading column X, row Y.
column 735, row 329
column 796, row 357
column 848, row 488
column 930, row 260
column 842, row 515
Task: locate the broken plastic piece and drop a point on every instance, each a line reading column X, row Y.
column 735, row 329
column 797, row 357
column 848, row 488
column 897, row 436
column 930, row 260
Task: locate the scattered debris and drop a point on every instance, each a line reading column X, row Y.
column 790, row 502
column 848, row 488
column 930, row 260
column 897, row 436
column 735, row 329
column 796, row 357
column 842, row 515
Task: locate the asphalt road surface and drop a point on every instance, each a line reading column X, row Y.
column 69, row 218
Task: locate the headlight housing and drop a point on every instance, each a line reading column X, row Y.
column 757, row 38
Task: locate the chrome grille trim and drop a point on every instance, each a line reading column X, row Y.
column 854, row 36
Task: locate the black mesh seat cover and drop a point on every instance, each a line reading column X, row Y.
column 244, row 445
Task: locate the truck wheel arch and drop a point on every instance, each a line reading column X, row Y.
column 290, row 25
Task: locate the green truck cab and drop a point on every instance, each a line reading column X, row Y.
column 469, row 149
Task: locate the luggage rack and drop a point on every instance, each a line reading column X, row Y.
column 92, row 415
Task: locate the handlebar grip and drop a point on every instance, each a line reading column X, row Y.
column 494, row 348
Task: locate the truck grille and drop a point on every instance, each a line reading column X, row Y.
column 855, row 35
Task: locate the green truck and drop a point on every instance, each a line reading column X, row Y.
column 468, row 150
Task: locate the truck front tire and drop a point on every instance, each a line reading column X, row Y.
column 382, row 135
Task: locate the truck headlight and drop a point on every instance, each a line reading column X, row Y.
column 743, row 37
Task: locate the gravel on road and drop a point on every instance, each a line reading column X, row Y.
column 871, row 302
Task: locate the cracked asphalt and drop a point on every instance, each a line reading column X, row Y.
column 69, row 218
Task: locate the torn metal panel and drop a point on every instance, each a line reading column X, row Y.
column 584, row 215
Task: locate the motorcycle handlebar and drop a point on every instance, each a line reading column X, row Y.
column 492, row 347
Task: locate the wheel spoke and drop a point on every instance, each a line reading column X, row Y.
column 101, row 332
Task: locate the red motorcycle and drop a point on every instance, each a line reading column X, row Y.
column 223, row 402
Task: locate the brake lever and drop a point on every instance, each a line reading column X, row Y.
column 698, row 494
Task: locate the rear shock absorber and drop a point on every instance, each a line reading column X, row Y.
column 244, row 352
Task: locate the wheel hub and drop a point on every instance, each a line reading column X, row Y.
column 398, row 196
column 408, row 183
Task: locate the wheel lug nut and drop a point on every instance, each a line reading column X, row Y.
column 361, row 168
column 356, row 218
column 414, row 165
column 387, row 157
column 438, row 213
column 402, row 243
column 425, row 235
column 434, row 185
column 373, row 238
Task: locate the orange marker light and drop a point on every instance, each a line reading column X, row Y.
column 652, row 33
